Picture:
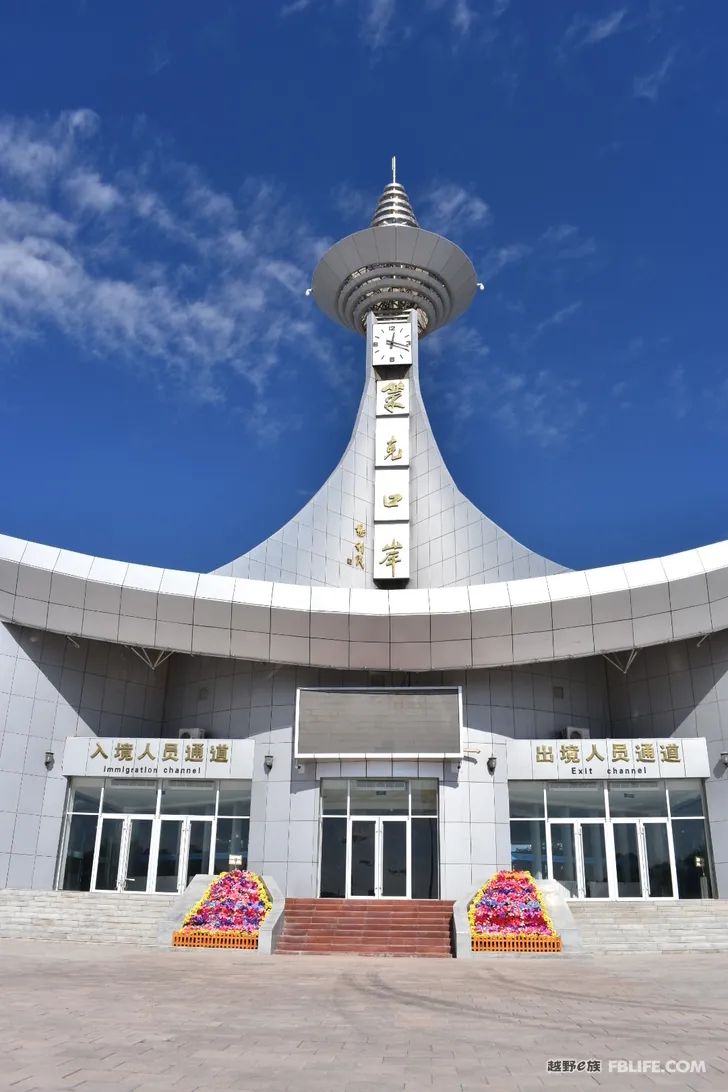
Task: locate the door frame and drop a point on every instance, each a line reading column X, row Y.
column 124, row 841
column 577, row 825
column 640, row 824
column 156, row 820
column 379, row 822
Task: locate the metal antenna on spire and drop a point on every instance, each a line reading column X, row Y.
column 394, row 168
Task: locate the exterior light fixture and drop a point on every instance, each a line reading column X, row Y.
column 724, row 756
column 491, row 764
column 268, row 763
column 49, row 760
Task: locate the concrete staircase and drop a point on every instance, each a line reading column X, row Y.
column 690, row 925
column 82, row 916
column 412, row 927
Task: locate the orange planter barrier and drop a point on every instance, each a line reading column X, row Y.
column 202, row 938
column 515, row 942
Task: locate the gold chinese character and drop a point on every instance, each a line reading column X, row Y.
column 360, row 530
column 620, row 753
column 594, row 753
column 99, row 751
column 359, row 555
column 569, row 752
column 146, row 753
column 392, row 452
column 645, row 752
column 392, row 500
column 170, row 752
column 194, row 752
column 393, row 392
column 391, row 555
column 124, row 752
column 544, row 753
column 219, row 752
column 669, row 752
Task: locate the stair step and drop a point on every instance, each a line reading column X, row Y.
column 389, row 927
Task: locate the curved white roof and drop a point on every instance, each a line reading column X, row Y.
column 545, row 618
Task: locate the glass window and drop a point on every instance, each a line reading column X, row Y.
column 234, row 798
column 333, row 797
column 86, row 794
column 188, row 798
column 379, row 797
column 691, row 859
column 130, row 797
column 424, row 796
column 231, row 844
column 528, row 847
column 628, row 799
column 575, row 800
column 685, row 797
column 80, row 853
column 526, row 799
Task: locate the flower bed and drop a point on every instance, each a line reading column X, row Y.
column 229, row 914
column 508, row 914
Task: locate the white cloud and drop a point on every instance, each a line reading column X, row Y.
column 448, row 207
column 150, row 264
column 378, row 21
column 541, row 406
column 649, row 86
column 558, row 317
column 499, row 258
column 463, row 16
column 584, row 30
column 86, row 190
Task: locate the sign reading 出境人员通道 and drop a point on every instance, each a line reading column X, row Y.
column 106, row 756
column 576, row 759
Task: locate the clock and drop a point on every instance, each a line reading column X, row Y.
column 391, row 343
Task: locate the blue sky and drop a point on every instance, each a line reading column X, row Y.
column 170, row 173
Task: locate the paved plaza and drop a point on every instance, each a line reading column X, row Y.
column 97, row 1017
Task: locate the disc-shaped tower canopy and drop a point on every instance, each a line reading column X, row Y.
column 394, row 266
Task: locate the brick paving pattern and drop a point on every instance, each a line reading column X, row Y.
column 130, row 1020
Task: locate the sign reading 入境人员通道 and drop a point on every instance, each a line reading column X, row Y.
column 101, row 756
column 574, row 759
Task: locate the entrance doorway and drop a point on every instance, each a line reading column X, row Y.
column 578, row 855
column 151, row 836
column 123, row 854
column 616, row 839
column 379, row 839
column 379, row 865
column 643, row 859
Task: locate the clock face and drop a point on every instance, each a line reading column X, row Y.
column 391, row 343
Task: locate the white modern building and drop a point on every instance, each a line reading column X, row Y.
column 390, row 696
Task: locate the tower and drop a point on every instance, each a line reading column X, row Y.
column 396, row 283
column 390, row 514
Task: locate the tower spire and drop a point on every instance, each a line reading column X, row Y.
column 394, row 206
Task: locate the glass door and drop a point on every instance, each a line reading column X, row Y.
column 393, row 864
column 563, row 850
column 379, row 858
column 169, row 855
column 136, row 856
column 199, row 840
column 183, row 851
column 108, row 855
column 627, row 857
column 362, row 865
column 123, row 854
column 579, row 858
column 644, row 859
column 657, row 856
